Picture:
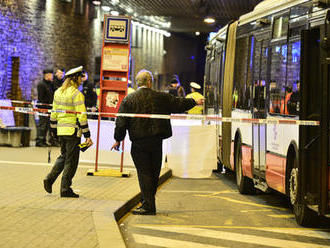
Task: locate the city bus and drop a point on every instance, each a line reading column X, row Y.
column 273, row 63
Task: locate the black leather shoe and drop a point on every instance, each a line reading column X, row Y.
column 143, row 211
column 69, row 194
column 48, row 186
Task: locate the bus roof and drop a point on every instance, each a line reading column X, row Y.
column 268, row 7
column 265, row 8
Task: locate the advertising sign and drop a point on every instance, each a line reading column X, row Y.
column 115, row 59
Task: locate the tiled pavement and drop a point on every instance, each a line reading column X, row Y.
column 29, row 217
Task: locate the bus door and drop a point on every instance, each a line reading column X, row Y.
column 219, row 86
column 314, row 140
column 260, row 78
column 324, row 207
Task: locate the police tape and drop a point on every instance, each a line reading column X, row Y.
column 210, row 118
column 34, row 103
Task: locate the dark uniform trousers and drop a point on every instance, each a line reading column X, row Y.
column 147, row 157
column 42, row 129
column 66, row 162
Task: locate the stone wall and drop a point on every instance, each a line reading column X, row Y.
column 58, row 33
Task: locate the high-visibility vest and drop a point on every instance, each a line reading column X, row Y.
column 70, row 99
column 197, row 110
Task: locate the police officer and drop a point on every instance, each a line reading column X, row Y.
column 194, row 87
column 45, row 95
column 69, row 127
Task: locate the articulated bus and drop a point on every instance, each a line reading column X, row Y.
column 273, row 63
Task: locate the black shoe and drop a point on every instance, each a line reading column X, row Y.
column 48, row 186
column 143, row 211
column 69, row 194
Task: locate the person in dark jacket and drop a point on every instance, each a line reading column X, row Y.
column 89, row 92
column 58, row 79
column 45, row 95
column 147, row 134
column 176, row 88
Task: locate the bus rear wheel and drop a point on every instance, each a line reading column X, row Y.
column 244, row 184
column 302, row 213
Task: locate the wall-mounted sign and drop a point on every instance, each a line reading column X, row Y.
column 115, row 59
column 117, row 29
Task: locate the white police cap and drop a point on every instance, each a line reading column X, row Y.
column 74, row 71
column 195, row 85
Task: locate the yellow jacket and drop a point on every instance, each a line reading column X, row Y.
column 197, row 110
column 70, row 99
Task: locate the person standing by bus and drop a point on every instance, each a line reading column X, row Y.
column 147, row 134
column 176, row 87
column 69, row 127
column 197, row 110
column 45, row 96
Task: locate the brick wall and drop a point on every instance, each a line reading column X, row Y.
column 57, row 33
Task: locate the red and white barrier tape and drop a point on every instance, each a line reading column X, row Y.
column 34, row 103
column 173, row 116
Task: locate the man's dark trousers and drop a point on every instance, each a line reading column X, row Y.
column 147, row 157
column 42, row 128
column 66, row 162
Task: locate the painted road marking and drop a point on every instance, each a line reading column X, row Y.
column 51, row 164
column 225, row 235
column 311, row 233
column 307, row 232
column 170, row 243
column 243, row 202
column 228, row 222
column 281, row 216
column 256, row 210
column 167, row 218
column 201, row 192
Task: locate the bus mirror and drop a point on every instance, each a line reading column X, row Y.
column 321, row 3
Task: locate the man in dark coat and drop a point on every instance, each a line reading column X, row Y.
column 45, row 95
column 89, row 92
column 58, row 79
column 147, row 134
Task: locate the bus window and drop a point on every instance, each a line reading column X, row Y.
column 293, row 79
column 242, row 59
column 277, row 88
column 280, row 27
column 300, row 10
column 260, row 77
